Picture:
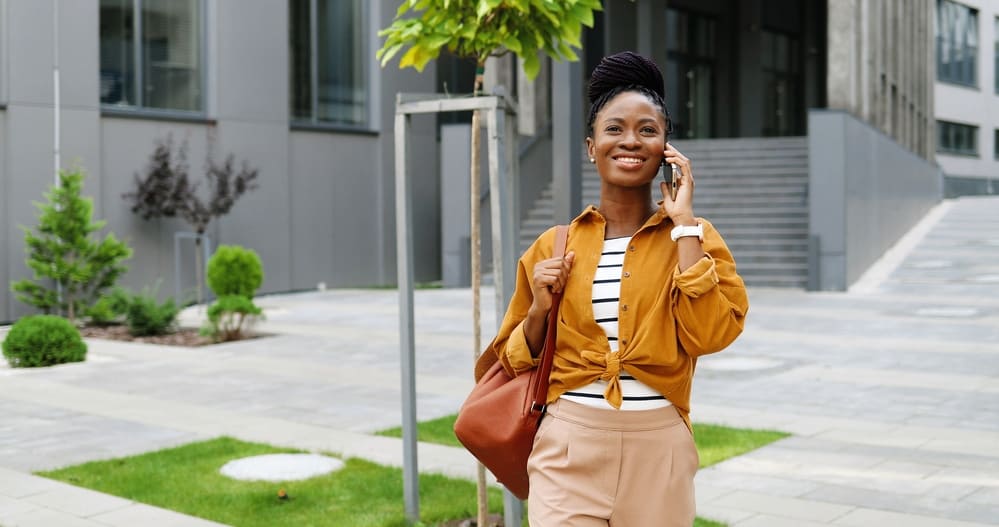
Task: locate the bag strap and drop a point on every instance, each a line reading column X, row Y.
column 540, row 377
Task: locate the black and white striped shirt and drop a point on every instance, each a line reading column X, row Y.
column 606, row 291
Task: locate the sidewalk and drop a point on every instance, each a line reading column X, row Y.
column 891, row 392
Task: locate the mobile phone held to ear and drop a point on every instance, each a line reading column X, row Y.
column 672, row 181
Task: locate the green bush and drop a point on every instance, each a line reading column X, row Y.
column 109, row 309
column 230, row 315
column 43, row 340
column 144, row 316
column 235, row 270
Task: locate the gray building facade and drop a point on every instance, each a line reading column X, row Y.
column 217, row 75
column 293, row 88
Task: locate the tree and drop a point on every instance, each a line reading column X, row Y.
column 166, row 191
column 63, row 249
column 478, row 29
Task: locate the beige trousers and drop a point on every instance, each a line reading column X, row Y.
column 597, row 467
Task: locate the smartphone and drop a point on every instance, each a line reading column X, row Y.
column 673, row 180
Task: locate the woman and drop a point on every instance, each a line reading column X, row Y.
column 647, row 289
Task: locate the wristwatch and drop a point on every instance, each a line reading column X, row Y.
column 687, row 230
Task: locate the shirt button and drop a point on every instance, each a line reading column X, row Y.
column 624, row 342
column 624, row 307
column 631, row 248
column 627, row 274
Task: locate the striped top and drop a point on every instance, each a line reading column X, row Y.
column 606, row 290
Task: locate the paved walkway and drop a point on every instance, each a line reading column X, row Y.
column 891, row 391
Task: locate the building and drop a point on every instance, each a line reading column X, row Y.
column 810, row 123
column 967, row 95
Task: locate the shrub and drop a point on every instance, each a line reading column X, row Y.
column 71, row 266
column 230, row 315
column 235, row 270
column 108, row 309
column 43, row 340
column 144, row 316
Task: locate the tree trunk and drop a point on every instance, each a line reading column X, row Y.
column 482, row 498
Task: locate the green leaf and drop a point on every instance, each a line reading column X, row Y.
column 531, row 66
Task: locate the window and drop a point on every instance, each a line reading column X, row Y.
column 328, row 62
column 996, row 147
column 151, row 55
column 691, row 41
column 780, row 66
column 954, row 138
column 996, row 68
column 957, row 43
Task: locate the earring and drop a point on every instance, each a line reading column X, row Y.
column 592, row 160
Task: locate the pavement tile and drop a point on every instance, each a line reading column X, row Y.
column 876, row 518
column 77, row 501
column 13, row 507
column 138, row 514
column 48, row 518
column 792, row 508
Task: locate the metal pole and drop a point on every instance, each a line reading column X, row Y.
column 407, row 350
column 55, row 87
column 567, row 141
column 504, row 255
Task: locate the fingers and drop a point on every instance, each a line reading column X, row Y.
column 553, row 273
column 673, row 156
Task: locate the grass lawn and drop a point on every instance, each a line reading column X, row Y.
column 187, row 479
column 362, row 494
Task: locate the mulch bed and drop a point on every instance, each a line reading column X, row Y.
column 181, row 337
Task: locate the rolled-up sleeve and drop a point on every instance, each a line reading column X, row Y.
column 510, row 345
column 709, row 299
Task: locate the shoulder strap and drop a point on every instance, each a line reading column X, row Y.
column 541, row 377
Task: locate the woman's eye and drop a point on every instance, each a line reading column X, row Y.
column 648, row 130
column 613, row 129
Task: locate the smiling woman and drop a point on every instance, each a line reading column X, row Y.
column 647, row 288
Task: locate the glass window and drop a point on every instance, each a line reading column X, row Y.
column 957, row 43
column 954, row 138
column 996, row 68
column 328, row 72
column 996, row 146
column 151, row 54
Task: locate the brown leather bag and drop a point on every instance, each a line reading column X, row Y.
column 499, row 418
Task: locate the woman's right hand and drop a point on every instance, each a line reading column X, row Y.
column 550, row 277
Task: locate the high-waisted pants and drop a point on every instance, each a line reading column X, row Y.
column 594, row 467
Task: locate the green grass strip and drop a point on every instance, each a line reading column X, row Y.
column 187, row 479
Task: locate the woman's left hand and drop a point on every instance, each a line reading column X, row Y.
column 681, row 210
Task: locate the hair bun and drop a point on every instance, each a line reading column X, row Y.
column 623, row 69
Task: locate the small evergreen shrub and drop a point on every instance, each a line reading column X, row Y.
column 43, row 340
column 108, row 309
column 144, row 316
column 229, row 316
column 235, row 270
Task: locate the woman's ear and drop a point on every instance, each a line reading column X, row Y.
column 590, row 148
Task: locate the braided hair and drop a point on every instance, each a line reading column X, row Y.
column 621, row 72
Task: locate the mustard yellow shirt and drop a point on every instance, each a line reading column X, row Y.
column 666, row 318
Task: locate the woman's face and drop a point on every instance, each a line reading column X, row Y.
column 629, row 134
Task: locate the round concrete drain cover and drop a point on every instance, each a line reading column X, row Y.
column 738, row 364
column 280, row 467
column 947, row 311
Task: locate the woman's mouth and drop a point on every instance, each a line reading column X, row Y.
column 628, row 162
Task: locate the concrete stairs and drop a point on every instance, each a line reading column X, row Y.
column 753, row 190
